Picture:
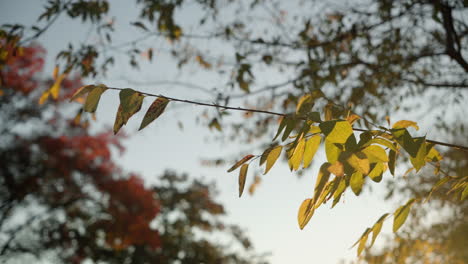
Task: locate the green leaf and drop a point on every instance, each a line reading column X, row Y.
column 281, row 127
column 392, row 161
column 359, row 162
column 290, row 125
column 332, row 151
column 356, row 182
column 403, row 138
column 297, row 154
column 464, row 193
column 154, row 111
column 401, row 214
column 242, row 177
column 375, row 154
column 377, row 227
column 420, row 159
column 306, row 211
column 322, row 179
column 240, row 162
column 311, row 148
column 377, row 170
column 336, row 131
column 93, row 98
column 270, row 156
column 304, row 104
column 130, row 103
column 82, row 91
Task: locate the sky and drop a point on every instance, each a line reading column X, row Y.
column 269, row 216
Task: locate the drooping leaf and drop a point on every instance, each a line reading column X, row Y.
column 311, row 148
column 332, row 151
column 339, row 191
column 376, row 172
column 242, row 178
column 336, row 131
column 337, row 169
column 82, row 91
column 362, row 242
column 45, row 95
column 270, row 156
column 405, row 124
column 391, row 161
column 290, row 125
column 130, row 104
column 401, row 214
column 154, row 111
column 438, row 184
column 420, row 159
column 306, row 211
column 240, row 162
column 322, row 179
column 281, row 127
column 93, row 98
column 377, row 227
column 464, row 193
column 214, row 123
column 297, row 155
column 356, row 182
column 359, row 162
column 304, row 104
column 375, row 154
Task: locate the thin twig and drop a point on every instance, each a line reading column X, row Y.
column 267, row 112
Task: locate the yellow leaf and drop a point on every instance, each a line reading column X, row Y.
column 270, row 156
column 352, row 118
column 401, row 214
column 359, row 162
column 55, row 73
column 253, row 186
column 130, row 103
column 306, row 211
column 336, row 131
column 332, row 151
column 356, row 182
column 304, row 104
column 375, row 154
column 154, row 111
column 44, row 97
column 242, row 177
column 311, row 148
column 405, row 124
column 377, row 170
column 377, row 227
column 321, row 181
column 362, row 242
column 297, row 154
column 55, row 89
column 240, row 162
column 337, row 169
column 339, row 191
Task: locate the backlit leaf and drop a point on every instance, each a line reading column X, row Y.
column 359, row 162
column 352, row 118
column 311, row 148
column 93, row 98
column 270, row 156
column 240, row 162
column 154, row 111
column 45, row 95
column 332, row 151
column 356, row 182
column 377, row 170
column 304, row 104
column 336, row 131
column 420, row 159
column 306, row 211
column 401, row 214
column 322, row 179
column 405, row 124
column 464, row 193
column 130, row 103
column 336, row 169
column 55, row 89
column 391, row 161
column 375, row 154
column 377, row 227
column 382, row 142
column 362, row 242
column 339, row 191
column 242, row 177
column 297, row 154
column 82, row 91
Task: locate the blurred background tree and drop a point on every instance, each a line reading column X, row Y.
column 63, row 197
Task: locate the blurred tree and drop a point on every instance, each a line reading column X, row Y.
column 331, row 63
column 63, row 197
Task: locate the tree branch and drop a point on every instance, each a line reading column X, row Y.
column 267, row 112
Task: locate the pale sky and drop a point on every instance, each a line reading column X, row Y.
column 269, row 217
